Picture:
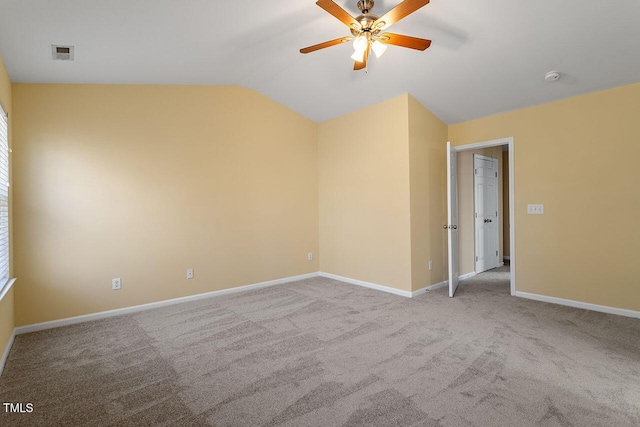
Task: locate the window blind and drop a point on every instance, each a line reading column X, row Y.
column 4, row 199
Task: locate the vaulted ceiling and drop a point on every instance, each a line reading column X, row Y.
column 486, row 57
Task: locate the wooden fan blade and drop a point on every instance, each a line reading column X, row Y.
column 339, row 13
column 325, row 44
column 360, row 65
column 405, row 41
column 405, row 8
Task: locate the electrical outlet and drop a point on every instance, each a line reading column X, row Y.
column 190, row 273
column 430, row 265
column 310, row 256
column 116, row 284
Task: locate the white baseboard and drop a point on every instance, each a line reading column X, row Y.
column 466, row 276
column 126, row 310
column 7, row 349
column 580, row 304
column 429, row 288
column 383, row 288
column 370, row 285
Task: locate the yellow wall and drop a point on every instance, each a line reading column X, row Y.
column 466, row 207
column 7, row 303
column 427, row 161
column 579, row 157
column 143, row 182
column 364, row 195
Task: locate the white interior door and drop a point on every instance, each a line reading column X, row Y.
column 486, row 212
column 452, row 216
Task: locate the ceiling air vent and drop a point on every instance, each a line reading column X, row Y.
column 62, row 53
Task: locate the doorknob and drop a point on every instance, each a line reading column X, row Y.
column 445, row 226
column 486, row 221
column 455, row 227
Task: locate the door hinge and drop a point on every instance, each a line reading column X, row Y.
column 496, row 253
column 496, row 174
column 475, row 171
column 476, row 258
column 476, row 214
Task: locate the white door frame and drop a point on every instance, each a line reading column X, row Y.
column 512, row 223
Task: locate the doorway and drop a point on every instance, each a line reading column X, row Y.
column 510, row 225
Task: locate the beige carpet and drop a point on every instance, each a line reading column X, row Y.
column 324, row 353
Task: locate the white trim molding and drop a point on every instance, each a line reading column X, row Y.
column 580, row 304
column 466, row 276
column 388, row 289
column 369, row 285
column 429, row 288
column 136, row 308
column 7, row 349
column 7, row 285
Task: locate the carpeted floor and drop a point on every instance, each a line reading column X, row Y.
column 324, row 353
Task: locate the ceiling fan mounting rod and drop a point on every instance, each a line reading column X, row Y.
column 365, row 5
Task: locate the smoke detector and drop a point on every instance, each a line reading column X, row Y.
column 62, row 53
column 552, row 76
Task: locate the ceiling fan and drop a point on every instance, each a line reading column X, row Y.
column 367, row 30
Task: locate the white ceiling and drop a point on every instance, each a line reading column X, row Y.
column 487, row 56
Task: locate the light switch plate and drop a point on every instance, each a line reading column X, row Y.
column 535, row 209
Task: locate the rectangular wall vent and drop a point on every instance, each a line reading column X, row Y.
column 62, row 53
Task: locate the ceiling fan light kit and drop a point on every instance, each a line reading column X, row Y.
column 378, row 48
column 367, row 30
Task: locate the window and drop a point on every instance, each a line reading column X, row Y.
column 4, row 203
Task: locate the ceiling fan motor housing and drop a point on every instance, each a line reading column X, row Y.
column 366, row 21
